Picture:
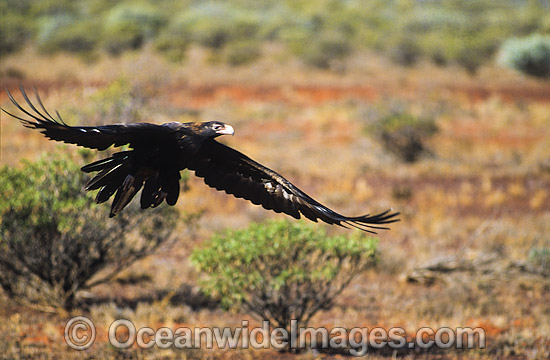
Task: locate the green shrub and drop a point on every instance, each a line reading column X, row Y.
column 404, row 134
column 172, row 47
column 474, row 52
column 241, row 53
column 214, row 24
column 64, row 33
column 426, row 18
column 449, row 31
column 52, row 7
column 127, row 26
column 296, row 37
column 14, row 32
column 49, row 27
column 54, row 241
column 530, row 55
column 466, row 44
column 280, row 270
column 119, row 100
column 173, row 41
column 539, row 259
column 323, row 51
column 281, row 22
column 405, row 52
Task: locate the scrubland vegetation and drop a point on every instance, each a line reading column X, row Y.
column 440, row 110
column 467, row 33
column 282, row 272
column 55, row 241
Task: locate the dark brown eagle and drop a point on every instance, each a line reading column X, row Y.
column 158, row 154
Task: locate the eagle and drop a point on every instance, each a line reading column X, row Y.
column 157, row 153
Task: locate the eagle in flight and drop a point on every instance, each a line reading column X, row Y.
column 158, row 154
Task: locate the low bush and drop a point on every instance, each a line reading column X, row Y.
column 539, row 259
column 55, row 242
column 173, row 41
column 14, row 31
column 64, row 33
column 530, row 55
column 172, row 47
column 404, row 134
column 474, row 52
column 280, row 271
column 49, row 7
column 280, row 22
column 296, row 37
column 449, row 32
column 241, row 53
column 121, row 101
column 214, row 24
column 127, row 26
column 325, row 50
column 405, row 52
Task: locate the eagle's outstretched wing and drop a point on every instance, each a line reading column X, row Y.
column 124, row 173
column 226, row 169
column 93, row 137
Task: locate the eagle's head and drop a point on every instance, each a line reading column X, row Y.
column 213, row 129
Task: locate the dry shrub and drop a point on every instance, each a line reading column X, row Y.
column 405, row 134
column 55, row 241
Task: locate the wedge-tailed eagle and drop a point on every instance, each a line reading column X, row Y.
column 159, row 152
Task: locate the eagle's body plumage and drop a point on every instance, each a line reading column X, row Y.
column 158, row 154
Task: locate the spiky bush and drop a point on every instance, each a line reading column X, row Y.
column 530, row 55
column 280, row 271
column 54, row 241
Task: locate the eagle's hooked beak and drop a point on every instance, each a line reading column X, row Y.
column 226, row 130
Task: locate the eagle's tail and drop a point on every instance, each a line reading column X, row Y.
column 120, row 175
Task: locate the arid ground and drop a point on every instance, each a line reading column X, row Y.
column 475, row 209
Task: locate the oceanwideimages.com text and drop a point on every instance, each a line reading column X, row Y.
column 80, row 333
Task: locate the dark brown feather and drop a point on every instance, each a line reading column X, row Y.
column 265, row 187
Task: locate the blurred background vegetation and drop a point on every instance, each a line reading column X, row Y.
column 464, row 32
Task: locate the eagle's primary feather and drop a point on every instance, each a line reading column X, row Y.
column 158, row 154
